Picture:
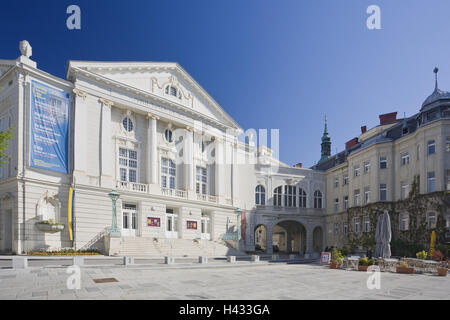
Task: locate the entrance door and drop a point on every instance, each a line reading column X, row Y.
column 7, row 227
column 172, row 225
column 129, row 220
column 206, row 228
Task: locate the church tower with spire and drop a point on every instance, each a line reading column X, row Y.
column 326, row 144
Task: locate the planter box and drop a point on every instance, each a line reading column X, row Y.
column 442, row 272
column 362, row 268
column 334, row 265
column 52, row 228
column 406, row 270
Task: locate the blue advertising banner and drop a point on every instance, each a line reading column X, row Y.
column 49, row 128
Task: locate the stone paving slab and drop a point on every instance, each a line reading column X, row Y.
column 240, row 281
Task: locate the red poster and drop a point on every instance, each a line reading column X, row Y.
column 192, row 225
column 153, row 222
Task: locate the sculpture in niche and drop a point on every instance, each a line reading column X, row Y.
column 48, row 207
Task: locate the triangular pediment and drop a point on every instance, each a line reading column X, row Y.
column 166, row 80
column 5, row 66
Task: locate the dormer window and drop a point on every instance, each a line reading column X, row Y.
column 173, row 91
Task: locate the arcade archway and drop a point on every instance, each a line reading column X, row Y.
column 289, row 237
column 261, row 238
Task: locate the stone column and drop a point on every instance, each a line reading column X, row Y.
column 309, row 242
column 188, row 161
column 269, row 246
column 106, row 154
column 219, row 168
column 80, row 141
column 152, row 151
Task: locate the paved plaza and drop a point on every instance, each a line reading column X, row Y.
column 218, row 280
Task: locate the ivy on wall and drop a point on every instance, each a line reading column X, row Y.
column 407, row 242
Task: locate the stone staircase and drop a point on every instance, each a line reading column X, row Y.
column 149, row 247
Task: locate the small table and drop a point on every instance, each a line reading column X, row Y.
column 351, row 263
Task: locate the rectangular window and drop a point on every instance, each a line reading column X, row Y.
column 356, row 170
column 431, row 147
column 168, row 173
column 336, row 205
column 356, row 225
column 290, row 196
column 448, row 179
column 383, row 162
column 128, row 165
column 366, row 167
column 383, row 192
column 345, row 202
column 336, row 182
column 404, row 192
column 366, row 224
column 405, row 158
column 366, row 195
column 356, row 197
column 336, row 228
column 345, row 179
column 345, row 228
column 431, row 186
column 447, row 145
column 431, row 220
column 404, row 222
column 201, row 179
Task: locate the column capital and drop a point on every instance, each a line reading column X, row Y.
column 106, row 102
column 80, row 93
column 151, row 116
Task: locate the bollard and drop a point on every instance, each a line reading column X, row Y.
column 19, row 262
column 78, row 261
column 255, row 258
column 231, row 259
column 169, row 260
column 202, row 259
column 128, row 261
column 275, row 257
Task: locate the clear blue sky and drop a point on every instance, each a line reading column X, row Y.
column 269, row 64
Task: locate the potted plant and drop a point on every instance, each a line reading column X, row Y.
column 336, row 258
column 421, row 255
column 404, row 268
column 442, row 269
column 364, row 263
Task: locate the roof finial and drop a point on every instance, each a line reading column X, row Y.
column 436, row 70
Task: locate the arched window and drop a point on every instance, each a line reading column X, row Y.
column 168, row 135
column 318, row 199
column 277, row 196
column 290, row 196
column 302, row 198
column 260, row 195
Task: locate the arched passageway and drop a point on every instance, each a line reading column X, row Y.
column 289, row 237
column 261, row 238
column 317, row 239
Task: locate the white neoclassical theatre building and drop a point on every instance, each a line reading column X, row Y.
column 147, row 129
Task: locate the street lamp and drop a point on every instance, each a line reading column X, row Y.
column 114, row 195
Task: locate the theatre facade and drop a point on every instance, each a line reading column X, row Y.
column 148, row 130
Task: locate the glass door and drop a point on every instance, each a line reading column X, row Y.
column 206, row 228
column 129, row 220
column 171, row 225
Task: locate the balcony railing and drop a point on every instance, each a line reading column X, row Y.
column 174, row 193
column 207, row 197
column 132, row 186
